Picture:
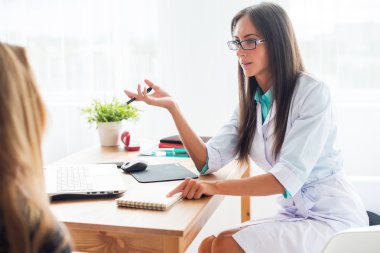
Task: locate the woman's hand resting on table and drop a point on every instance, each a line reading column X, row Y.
column 194, row 189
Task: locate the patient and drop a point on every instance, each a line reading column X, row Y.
column 26, row 222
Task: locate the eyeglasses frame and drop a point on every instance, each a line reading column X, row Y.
column 257, row 42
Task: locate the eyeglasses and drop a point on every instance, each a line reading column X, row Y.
column 245, row 44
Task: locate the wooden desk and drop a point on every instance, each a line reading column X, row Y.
column 98, row 225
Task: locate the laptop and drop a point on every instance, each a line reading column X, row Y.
column 83, row 180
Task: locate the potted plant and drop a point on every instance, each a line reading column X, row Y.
column 109, row 119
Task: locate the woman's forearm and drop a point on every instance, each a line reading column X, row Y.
column 261, row 185
column 192, row 142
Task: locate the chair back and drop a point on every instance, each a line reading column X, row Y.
column 366, row 239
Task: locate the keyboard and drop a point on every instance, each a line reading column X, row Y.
column 73, row 178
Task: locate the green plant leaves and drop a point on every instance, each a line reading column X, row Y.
column 110, row 112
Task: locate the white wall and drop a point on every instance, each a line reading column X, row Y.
column 359, row 138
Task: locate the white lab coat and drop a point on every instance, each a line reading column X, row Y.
column 322, row 200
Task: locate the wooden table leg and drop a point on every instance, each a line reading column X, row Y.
column 246, row 201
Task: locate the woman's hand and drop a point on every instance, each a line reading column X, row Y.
column 194, row 189
column 159, row 97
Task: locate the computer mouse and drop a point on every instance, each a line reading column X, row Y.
column 134, row 166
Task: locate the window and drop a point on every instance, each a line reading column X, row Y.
column 339, row 40
column 83, row 47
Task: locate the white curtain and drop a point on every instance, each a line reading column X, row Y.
column 83, row 47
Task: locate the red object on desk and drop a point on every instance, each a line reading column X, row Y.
column 170, row 145
column 126, row 138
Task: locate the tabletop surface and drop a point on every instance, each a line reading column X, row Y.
column 102, row 213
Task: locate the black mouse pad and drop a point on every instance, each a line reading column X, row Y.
column 163, row 172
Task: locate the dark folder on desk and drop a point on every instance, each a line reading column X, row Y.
column 175, row 139
column 163, row 172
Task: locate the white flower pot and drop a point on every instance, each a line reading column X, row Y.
column 109, row 133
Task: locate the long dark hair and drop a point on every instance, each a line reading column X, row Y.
column 285, row 64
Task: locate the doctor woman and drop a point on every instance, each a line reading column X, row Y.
column 285, row 123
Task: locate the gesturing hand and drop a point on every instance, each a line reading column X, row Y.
column 194, row 189
column 159, row 97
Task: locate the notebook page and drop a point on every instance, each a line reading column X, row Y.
column 149, row 197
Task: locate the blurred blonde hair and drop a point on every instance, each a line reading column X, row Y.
column 24, row 205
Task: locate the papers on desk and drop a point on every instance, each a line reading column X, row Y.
column 153, row 150
column 148, row 148
column 152, row 197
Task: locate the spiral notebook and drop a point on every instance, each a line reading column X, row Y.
column 152, row 197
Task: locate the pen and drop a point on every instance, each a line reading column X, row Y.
column 133, row 99
column 172, row 154
column 177, row 150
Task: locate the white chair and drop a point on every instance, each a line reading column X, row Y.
column 366, row 239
